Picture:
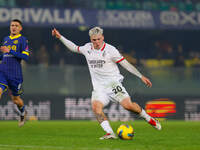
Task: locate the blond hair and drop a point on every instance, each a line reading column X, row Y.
column 95, row 31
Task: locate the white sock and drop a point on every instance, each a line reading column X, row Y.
column 144, row 115
column 106, row 126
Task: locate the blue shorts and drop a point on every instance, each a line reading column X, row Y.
column 15, row 85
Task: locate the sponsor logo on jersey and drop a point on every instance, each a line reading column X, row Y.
column 8, row 55
column 89, row 52
column 96, row 63
column 15, row 41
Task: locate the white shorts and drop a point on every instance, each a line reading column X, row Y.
column 114, row 91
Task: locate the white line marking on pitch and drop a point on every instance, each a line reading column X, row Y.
column 32, row 146
column 52, row 147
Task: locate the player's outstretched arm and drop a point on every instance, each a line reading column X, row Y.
column 70, row 45
column 125, row 64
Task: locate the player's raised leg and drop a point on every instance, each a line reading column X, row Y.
column 97, row 108
column 21, row 107
column 134, row 107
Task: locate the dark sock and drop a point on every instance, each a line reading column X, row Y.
column 21, row 109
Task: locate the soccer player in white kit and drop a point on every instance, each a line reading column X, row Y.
column 102, row 59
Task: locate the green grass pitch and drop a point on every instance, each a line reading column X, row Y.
column 84, row 135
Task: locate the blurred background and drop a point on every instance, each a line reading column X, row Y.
column 160, row 37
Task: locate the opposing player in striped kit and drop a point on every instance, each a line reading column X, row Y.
column 14, row 49
column 102, row 59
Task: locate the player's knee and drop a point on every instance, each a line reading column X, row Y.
column 126, row 103
column 1, row 92
column 128, row 106
column 15, row 99
column 97, row 107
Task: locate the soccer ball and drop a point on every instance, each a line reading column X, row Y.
column 125, row 132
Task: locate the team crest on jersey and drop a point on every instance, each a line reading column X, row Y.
column 89, row 52
column 15, row 41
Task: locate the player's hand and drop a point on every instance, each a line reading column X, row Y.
column 4, row 49
column 146, row 81
column 56, row 33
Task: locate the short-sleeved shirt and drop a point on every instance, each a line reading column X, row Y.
column 11, row 65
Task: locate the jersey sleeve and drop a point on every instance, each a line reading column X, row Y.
column 116, row 56
column 82, row 49
column 25, row 48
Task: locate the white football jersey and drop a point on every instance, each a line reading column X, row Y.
column 102, row 64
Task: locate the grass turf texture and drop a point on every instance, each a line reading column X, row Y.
column 84, row 135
